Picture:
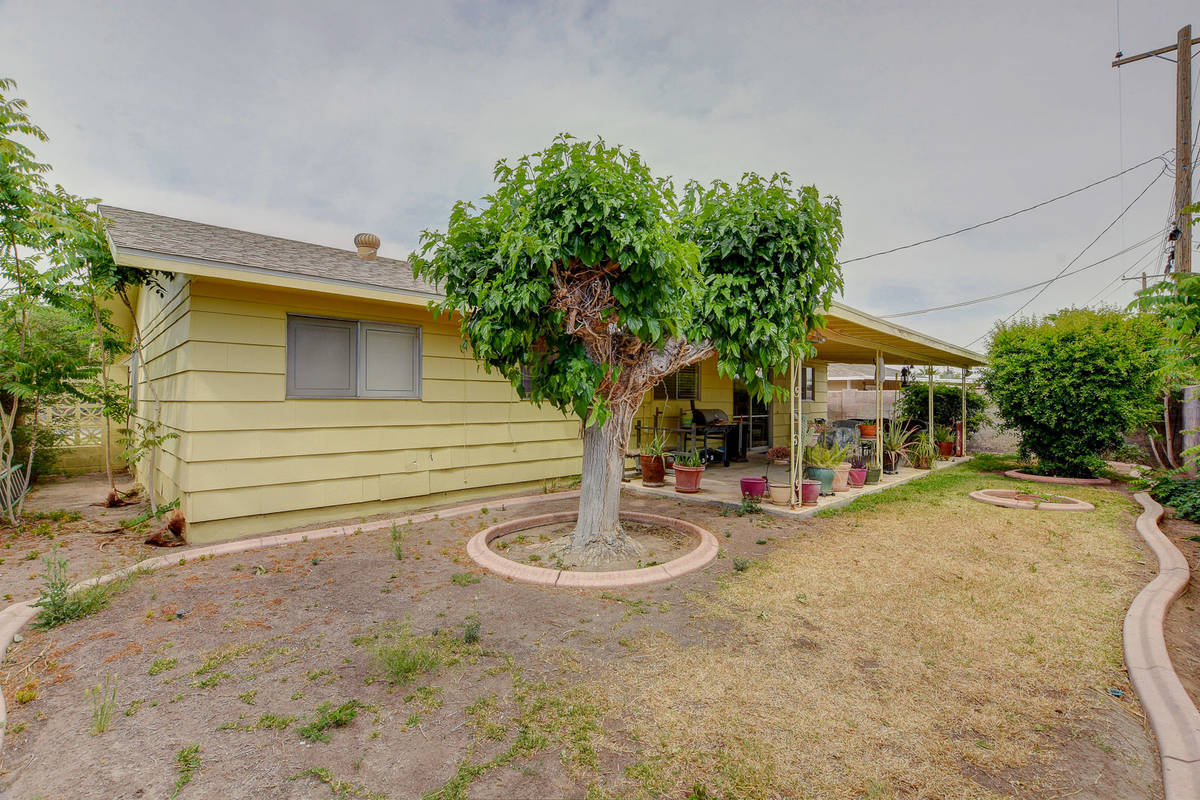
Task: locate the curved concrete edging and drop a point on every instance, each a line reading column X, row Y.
column 701, row 556
column 1009, row 498
column 1025, row 476
column 13, row 618
column 1172, row 714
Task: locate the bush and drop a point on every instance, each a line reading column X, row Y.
column 1182, row 494
column 1073, row 384
column 947, row 405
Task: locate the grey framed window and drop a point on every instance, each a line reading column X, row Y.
column 682, row 385
column 345, row 358
column 808, row 389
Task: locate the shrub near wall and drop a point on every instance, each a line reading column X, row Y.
column 1073, row 383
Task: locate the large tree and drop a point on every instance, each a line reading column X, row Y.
column 590, row 277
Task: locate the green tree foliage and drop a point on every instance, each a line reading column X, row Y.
column 1074, row 383
column 947, row 405
column 589, row 275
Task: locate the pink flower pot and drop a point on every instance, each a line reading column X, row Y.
column 810, row 491
column 857, row 477
column 754, row 487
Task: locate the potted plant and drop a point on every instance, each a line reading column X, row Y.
column 780, row 492
column 945, row 440
column 754, row 488
column 867, row 430
column 654, row 461
column 858, row 472
column 924, row 451
column 810, row 492
column 688, row 469
column 822, row 463
column 897, row 441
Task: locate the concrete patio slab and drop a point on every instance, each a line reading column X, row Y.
column 721, row 486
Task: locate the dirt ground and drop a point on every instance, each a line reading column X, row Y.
column 237, row 654
column 62, row 512
column 1183, row 620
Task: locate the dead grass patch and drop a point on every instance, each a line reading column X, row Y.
column 888, row 652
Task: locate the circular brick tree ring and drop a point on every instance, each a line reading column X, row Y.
column 701, row 556
column 1012, row 498
column 1025, row 476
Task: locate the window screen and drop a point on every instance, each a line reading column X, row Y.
column 344, row 358
column 683, row 385
column 808, row 390
column 391, row 363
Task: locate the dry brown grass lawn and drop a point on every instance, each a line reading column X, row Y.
column 889, row 652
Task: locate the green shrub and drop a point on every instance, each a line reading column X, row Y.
column 1074, row 383
column 1182, row 494
column 402, row 662
column 947, row 405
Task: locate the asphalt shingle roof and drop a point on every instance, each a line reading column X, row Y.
column 168, row 236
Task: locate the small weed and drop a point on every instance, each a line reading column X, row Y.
column 161, row 665
column 397, row 536
column 27, row 693
column 187, row 763
column 749, row 505
column 248, row 697
column 740, row 564
column 326, row 717
column 104, row 704
column 315, row 674
column 134, row 707
column 471, row 631
column 340, row 789
column 760, row 541
column 465, row 578
column 60, row 605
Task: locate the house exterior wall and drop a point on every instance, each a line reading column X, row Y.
column 248, row 459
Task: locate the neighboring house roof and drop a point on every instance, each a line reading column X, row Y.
column 139, row 233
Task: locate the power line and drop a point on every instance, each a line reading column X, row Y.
column 1117, row 280
column 977, row 300
column 1079, row 255
column 1160, row 157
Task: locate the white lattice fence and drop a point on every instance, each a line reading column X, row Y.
column 78, row 424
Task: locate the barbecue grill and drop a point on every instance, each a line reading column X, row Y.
column 714, row 424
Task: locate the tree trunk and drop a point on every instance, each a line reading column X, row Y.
column 1168, row 434
column 598, row 535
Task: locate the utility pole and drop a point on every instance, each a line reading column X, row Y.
column 1181, row 235
column 1183, row 138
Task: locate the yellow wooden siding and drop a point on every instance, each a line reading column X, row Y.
column 163, row 322
column 817, row 408
column 252, row 460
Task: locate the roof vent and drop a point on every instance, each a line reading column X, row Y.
column 368, row 245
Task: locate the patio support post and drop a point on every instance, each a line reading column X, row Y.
column 962, row 450
column 880, row 376
column 931, row 401
column 797, row 419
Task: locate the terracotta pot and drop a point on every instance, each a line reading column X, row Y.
column 687, row 479
column 781, row 494
column 810, row 490
column 867, row 431
column 754, row 487
column 841, row 477
column 873, row 475
column 654, row 470
column 823, row 476
column 857, row 477
column 945, row 449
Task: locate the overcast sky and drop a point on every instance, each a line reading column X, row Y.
column 316, row 120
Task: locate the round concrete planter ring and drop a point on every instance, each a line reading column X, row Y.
column 1025, row 476
column 703, row 555
column 1012, row 498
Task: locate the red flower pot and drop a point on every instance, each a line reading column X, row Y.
column 858, row 477
column 753, row 487
column 687, row 479
column 946, row 449
column 653, row 470
column 810, row 491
